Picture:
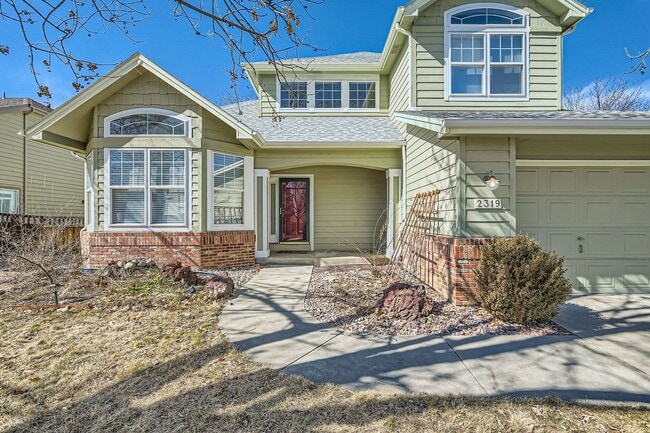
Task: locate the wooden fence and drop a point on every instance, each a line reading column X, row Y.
column 68, row 228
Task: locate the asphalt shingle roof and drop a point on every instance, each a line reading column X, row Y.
column 19, row 102
column 317, row 128
column 534, row 115
column 362, row 57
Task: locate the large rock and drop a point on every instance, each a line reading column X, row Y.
column 220, row 285
column 403, row 301
column 177, row 272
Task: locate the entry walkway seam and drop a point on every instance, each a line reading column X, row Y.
column 465, row 365
column 338, row 333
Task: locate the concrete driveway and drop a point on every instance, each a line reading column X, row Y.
column 618, row 325
column 604, row 361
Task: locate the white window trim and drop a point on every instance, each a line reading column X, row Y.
column 108, row 224
column 89, row 163
column 16, row 193
column 486, row 31
column 345, row 94
column 249, row 195
column 179, row 116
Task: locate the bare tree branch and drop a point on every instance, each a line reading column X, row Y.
column 249, row 29
column 639, row 61
column 614, row 94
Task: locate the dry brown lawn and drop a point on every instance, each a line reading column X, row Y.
column 152, row 359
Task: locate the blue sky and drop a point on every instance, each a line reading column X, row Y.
column 594, row 51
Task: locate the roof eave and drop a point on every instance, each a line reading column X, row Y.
column 384, row 144
column 455, row 127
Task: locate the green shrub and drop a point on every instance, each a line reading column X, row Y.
column 519, row 281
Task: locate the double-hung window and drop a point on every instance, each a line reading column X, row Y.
column 486, row 52
column 147, row 187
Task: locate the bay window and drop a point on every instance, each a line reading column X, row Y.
column 230, row 192
column 147, row 187
column 486, row 54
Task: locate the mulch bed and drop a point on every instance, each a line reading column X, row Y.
column 346, row 297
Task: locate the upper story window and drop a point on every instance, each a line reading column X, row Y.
column 328, row 95
column 147, row 121
column 293, row 95
column 486, row 52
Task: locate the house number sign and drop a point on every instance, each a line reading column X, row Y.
column 487, row 203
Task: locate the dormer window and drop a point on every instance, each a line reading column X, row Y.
column 486, row 48
column 329, row 95
column 147, row 121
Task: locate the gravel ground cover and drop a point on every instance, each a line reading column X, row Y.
column 346, row 297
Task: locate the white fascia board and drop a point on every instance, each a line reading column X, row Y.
column 546, row 126
column 430, row 123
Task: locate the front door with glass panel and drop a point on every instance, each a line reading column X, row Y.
column 294, row 210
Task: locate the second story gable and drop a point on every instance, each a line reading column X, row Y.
column 439, row 55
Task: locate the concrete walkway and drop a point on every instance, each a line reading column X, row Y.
column 268, row 322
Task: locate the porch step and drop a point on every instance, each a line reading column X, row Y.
column 311, row 259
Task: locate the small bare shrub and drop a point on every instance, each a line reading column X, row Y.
column 519, row 281
column 44, row 244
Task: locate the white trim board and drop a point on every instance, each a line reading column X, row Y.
column 583, row 163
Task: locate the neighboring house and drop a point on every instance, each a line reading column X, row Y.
column 462, row 91
column 35, row 179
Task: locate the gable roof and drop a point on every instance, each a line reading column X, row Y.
column 318, row 131
column 447, row 123
column 56, row 129
column 570, row 11
column 13, row 104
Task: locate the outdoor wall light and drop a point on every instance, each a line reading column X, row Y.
column 491, row 182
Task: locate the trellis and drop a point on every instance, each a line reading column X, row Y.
column 411, row 253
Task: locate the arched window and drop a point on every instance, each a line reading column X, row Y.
column 147, row 121
column 486, row 52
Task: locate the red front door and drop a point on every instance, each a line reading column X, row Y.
column 294, row 209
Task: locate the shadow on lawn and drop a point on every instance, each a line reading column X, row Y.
column 260, row 401
column 268, row 400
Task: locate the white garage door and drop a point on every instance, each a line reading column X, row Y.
column 598, row 218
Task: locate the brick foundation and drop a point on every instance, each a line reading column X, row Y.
column 199, row 250
column 448, row 266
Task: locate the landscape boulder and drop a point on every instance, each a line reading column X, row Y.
column 404, row 301
column 177, row 272
column 220, row 286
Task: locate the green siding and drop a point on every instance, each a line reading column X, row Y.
column 349, row 206
column 545, row 61
column 480, row 155
column 53, row 177
column 148, row 91
column 11, row 147
column 400, row 80
column 432, row 164
column 381, row 159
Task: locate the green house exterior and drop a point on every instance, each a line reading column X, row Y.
column 462, row 90
column 35, row 179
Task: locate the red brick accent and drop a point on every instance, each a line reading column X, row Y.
column 448, row 266
column 199, row 250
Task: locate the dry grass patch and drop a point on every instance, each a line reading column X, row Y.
column 155, row 361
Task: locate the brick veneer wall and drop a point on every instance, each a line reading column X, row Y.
column 450, row 267
column 199, row 250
